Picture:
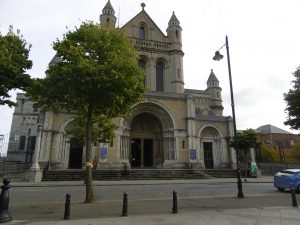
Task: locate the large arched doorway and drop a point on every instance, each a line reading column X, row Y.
column 146, row 140
column 210, row 143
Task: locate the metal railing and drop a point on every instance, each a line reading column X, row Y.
column 13, row 166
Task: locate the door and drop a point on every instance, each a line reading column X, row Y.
column 208, row 155
column 75, row 157
column 135, row 156
column 148, row 152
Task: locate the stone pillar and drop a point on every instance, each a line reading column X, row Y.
column 35, row 173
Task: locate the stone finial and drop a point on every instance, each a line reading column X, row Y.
column 143, row 5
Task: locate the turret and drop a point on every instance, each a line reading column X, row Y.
column 107, row 18
column 174, row 32
column 176, row 66
column 215, row 94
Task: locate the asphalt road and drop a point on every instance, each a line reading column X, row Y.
column 138, row 192
column 38, row 203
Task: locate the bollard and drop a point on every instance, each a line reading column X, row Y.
column 125, row 205
column 174, row 209
column 4, row 202
column 67, row 207
column 294, row 199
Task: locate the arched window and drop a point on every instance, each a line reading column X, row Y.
column 178, row 73
column 160, row 76
column 142, row 32
column 142, row 64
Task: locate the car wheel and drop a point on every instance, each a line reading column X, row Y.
column 280, row 189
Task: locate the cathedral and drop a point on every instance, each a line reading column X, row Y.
column 172, row 127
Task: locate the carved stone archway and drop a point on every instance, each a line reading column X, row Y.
column 149, row 129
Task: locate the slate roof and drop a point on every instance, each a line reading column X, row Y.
column 212, row 77
column 173, row 18
column 109, row 6
column 270, row 129
column 56, row 59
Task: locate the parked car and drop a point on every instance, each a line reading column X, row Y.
column 287, row 179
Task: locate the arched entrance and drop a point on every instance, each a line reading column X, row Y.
column 146, row 140
column 210, row 143
column 75, row 156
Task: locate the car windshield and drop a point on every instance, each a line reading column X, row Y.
column 289, row 172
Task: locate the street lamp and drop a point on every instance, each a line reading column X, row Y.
column 218, row 57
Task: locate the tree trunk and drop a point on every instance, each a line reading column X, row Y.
column 90, row 193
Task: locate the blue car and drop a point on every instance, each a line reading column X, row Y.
column 287, row 179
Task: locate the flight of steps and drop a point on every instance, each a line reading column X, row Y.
column 137, row 174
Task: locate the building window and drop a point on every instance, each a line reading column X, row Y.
column 160, row 76
column 292, row 142
column 183, row 144
column 178, row 73
column 176, row 33
column 142, row 64
column 22, row 142
column 142, row 32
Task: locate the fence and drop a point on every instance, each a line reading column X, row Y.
column 13, row 166
column 271, row 168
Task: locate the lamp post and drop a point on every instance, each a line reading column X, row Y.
column 218, row 57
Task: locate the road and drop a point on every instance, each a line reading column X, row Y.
column 45, row 202
column 138, row 192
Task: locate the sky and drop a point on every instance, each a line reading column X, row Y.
column 264, row 44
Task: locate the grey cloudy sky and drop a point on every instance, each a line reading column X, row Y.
column 264, row 40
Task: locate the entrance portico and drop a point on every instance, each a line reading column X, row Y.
column 151, row 137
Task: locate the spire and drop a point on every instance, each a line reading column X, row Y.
column 108, row 9
column 212, row 80
column 174, row 21
column 107, row 17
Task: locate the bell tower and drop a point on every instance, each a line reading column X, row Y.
column 215, row 94
column 107, row 18
column 176, row 55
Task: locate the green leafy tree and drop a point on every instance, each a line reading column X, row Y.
column 98, row 78
column 14, row 53
column 293, row 155
column 292, row 99
column 268, row 154
column 102, row 132
column 244, row 141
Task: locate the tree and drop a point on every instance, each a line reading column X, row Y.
column 293, row 155
column 268, row 154
column 244, row 141
column 14, row 53
column 98, row 78
column 292, row 99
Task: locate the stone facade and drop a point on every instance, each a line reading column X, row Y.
column 23, row 130
column 172, row 127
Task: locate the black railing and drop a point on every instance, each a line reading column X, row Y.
column 13, row 166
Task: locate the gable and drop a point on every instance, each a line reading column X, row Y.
column 142, row 19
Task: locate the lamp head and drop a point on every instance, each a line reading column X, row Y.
column 218, row 56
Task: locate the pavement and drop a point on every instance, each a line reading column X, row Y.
column 283, row 215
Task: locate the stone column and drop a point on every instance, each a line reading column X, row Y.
column 35, row 173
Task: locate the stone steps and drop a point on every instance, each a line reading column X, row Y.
column 137, row 174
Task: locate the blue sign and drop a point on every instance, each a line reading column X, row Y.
column 193, row 154
column 103, row 153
